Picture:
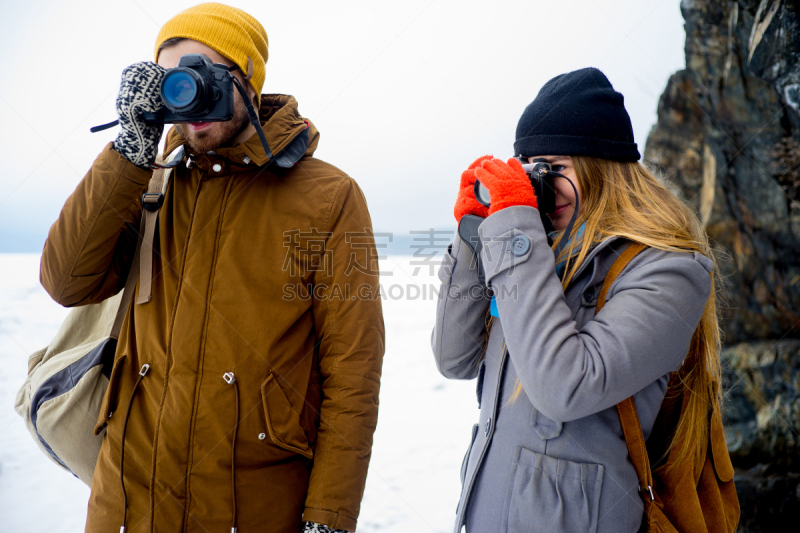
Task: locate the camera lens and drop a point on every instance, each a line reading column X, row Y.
column 482, row 194
column 179, row 89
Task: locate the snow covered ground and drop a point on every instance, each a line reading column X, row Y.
column 423, row 427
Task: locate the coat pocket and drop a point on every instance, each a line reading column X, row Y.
column 109, row 404
column 546, row 494
column 469, row 450
column 283, row 422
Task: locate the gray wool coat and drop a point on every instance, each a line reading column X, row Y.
column 554, row 460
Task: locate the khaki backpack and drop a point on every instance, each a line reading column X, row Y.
column 61, row 397
column 691, row 498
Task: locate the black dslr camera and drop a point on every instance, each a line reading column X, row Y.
column 197, row 90
column 542, row 178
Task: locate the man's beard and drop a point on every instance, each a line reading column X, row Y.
column 219, row 134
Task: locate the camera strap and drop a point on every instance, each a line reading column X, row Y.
column 568, row 230
column 566, row 237
column 251, row 113
column 95, row 129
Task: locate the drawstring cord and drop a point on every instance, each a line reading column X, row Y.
column 142, row 373
column 230, row 379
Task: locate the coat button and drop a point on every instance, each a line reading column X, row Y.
column 217, row 167
column 520, row 245
column 262, row 436
column 589, row 294
column 488, row 427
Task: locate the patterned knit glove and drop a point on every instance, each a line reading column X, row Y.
column 312, row 527
column 139, row 92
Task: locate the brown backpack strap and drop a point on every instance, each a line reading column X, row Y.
column 142, row 264
column 619, row 265
column 634, row 439
column 629, row 419
column 130, row 286
column 151, row 203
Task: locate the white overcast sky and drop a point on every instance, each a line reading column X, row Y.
column 405, row 94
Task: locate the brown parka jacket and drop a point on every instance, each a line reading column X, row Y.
column 264, row 272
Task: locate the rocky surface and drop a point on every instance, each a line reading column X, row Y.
column 727, row 138
column 762, row 404
column 762, row 417
column 769, row 501
column 728, row 141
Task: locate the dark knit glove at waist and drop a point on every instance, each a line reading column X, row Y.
column 312, row 527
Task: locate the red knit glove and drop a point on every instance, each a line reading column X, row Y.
column 466, row 204
column 508, row 184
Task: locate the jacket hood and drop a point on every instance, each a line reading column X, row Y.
column 281, row 123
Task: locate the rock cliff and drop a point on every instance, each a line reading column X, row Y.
column 728, row 141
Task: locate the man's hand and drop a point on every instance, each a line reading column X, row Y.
column 508, row 184
column 139, row 92
column 466, row 204
column 312, row 527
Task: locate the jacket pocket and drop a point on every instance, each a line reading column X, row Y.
column 309, row 419
column 283, row 422
column 547, row 494
column 109, row 404
column 469, row 450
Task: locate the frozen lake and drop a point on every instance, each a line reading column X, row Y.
column 423, row 427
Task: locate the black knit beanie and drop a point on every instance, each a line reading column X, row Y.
column 577, row 113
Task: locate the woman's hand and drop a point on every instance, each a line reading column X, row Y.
column 466, row 204
column 508, row 184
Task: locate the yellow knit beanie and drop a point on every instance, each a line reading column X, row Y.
column 230, row 31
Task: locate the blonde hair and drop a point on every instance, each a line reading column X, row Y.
column 626, row 200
